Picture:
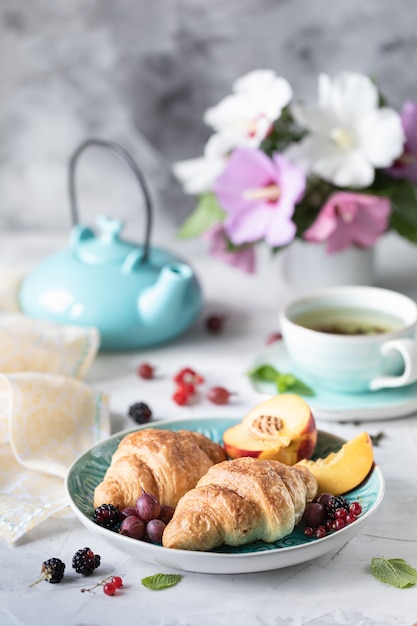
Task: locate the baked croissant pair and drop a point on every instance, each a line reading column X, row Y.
column 216, row 501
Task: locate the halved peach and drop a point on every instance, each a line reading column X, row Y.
column 344, row 470
column 281, row 428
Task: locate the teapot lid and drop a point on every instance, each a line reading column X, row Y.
column 107, row 247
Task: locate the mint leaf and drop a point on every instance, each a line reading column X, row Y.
column 267, row 373
column 206, row 214
column 283, row 382
column 161, row 581
column 396, row 572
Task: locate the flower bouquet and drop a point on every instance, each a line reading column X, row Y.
column 339, row 171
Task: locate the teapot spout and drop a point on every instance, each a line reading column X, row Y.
column 171, row 301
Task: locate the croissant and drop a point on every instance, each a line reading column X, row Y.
column 162, row 462
column 240, row 501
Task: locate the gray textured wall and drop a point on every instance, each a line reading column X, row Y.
column 142, row 72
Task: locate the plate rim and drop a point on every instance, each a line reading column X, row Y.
column 225, row 562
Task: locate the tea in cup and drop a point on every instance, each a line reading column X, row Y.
column 352, row 339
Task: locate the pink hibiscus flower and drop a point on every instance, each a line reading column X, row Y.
column 406, row 165
column 349, row 219
column 243, row 259
column 259, row 194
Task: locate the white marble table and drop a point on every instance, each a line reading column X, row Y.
column 337, row 588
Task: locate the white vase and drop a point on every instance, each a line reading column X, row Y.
column 308, row 266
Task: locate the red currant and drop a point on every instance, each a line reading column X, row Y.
column 145, row 370
column 339, row 523
column 218, row 395
column 180, row 396
column 109, row 589
column 350, row 517
column 214, row 324
column 340, row 513
column 117, row 581
column 355, row 508
column 186, row 374
column 309, row 531
column 321, row 531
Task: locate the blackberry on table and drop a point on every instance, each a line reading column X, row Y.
column 85, row 561
column 52, row 571
column 108, row 516
column 140, row 412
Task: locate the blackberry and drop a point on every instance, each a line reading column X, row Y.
column 85, row 561
column 140, row 412
column 108, row 516
column 333, row 503
column 52, row 571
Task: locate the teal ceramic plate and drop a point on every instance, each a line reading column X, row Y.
column 88, row 470
column 338, row 407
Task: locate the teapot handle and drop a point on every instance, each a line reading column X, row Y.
column 127, row 159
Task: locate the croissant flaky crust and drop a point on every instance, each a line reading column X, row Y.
column 162, row 462
column 238, row 502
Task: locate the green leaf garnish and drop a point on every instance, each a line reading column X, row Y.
column 396, row 572
column 161, row 581
column 206, row 214
column 283, row 382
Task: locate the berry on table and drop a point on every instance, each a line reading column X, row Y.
column 145, row 370
column 188, row 375
column 110, row 585
column 140, row 412
column 85, row 561
column 116, row 580
column 52, row 571
column 214, row 324
column 109, row 588
column 273, row 337
column 107, row 515
column 218, row 395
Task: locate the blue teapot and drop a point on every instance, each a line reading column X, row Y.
column 135, row 295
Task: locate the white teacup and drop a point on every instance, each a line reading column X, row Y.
column 318, row 329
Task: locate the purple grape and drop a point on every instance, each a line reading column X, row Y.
column 314, row 514
column 127, row 512
column 325, row 498
column 166, row 513
column 154, row 530
column 147, row 506
column 133, row 526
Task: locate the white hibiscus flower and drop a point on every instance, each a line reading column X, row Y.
column 198, row 175
column 246, row 116
column 349, row 134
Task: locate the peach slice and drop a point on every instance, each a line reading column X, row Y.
column 345, row 469
column 281, row 428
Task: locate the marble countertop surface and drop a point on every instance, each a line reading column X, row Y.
column 337, row 588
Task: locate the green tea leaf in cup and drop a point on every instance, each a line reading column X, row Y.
column 396, row 572
column 161, row 581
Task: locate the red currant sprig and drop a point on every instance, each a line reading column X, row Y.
column 110, row 585
column 186, row 381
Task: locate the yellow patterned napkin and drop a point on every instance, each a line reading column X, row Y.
column 48, row 416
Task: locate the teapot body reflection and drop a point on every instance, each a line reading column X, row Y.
column 135, row 295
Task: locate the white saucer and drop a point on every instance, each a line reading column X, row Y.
column 338, row 407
